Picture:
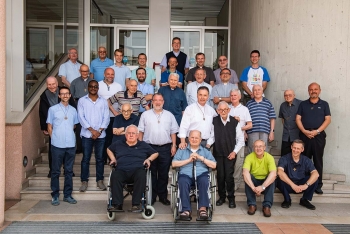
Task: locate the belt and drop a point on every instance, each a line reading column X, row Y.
column 160, row 145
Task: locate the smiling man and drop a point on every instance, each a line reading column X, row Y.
column 99, row 64
column 209, row 78
column 223, row 63
column 70, row 69
column 150, row 75
column 122, row 73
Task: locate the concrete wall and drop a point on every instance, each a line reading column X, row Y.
column 300, row 41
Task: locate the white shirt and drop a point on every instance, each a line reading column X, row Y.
column 197, row 117
column 157, row 128
column 242, row 112
column 106, row 91
column 191, row 92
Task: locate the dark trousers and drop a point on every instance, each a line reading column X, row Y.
column 66, row 156
column 160, row 171
column 226, row 182
column 78, row 138
column 286, row 147
column 268, row 193
column 50, row 156
column 314, row 149
column 108, row 139
column 88, row 145
column 119, row 178
column 185, row 184
column 286, row 189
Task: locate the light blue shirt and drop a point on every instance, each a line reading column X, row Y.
column 121, row 74
column 93, row 114
column 70, row 70
column 145, row 90
column 150, row 75
column 62, row 129
column 97, row 67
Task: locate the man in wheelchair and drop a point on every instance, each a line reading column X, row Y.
column 130, row 156
column 185, row 159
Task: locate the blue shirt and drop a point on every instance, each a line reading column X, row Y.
column 261, row 113
column 313, row 115
column 200, row 166
column 93, row 114
column 165, row 77
column 70, row 70
column 97, row 67
column 121, row 74
column 145, row 90
column 150, row 75
column 296, row 171
column 63, row 135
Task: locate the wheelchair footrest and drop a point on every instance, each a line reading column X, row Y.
column 200, row 219
column 179, row 218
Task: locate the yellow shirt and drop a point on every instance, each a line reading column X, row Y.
column 259, row 168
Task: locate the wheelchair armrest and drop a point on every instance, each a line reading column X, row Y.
column 176, row 168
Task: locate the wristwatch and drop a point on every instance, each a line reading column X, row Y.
column 220, row 98
column 263, row 187
column 100, row 130
column 308, row 185
column 318, row 132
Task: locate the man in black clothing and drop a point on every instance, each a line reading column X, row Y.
column 200, row 60
column 229, row 139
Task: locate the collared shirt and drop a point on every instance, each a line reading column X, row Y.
column 222, row 90
column 183, row 154
column 191, row 92
column 106, row 91
column 146, row 89
column 174, row 101
column 259, row 168
column 165, row 77
column 164, row 62
column 254, row 76
column 79, row 87
column 288, row 114
column 209, row 74
column 296, row 171
column 197, row 117
column 233, row 78
column 242, row 112
column 157, row 128
column 62, row 118
column 97, row 67
column 136, row 100
column 70, row 70
column 93, row 114
column 150, row 75
column 121, row 122
column 121, row 74
column 313, row 115
column 261, row 113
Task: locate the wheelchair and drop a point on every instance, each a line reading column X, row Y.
column 148, row 210
column 175, row 195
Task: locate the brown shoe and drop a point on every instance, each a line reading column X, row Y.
column 251, row 210
column 266, row 211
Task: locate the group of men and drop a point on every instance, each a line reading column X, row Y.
column 109, row 108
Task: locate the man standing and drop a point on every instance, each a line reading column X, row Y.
column 172, row 63
column 221, row 92
column 209, row 79
column 313, row 117
column 98, row 65
column 288, row 113
column 158, row 128
column 61, row 121
column 263, row 118
column 94, row 119
column 297, row 174
column 229, row 139
column 241, row 113
column 70, row 69
column 182, row 59
column 150, row 77
column 120, row 123
column 254, row 75
column 259, row 172
column 223, row 62
column 146, row 89
column 191, row 92
column 107, row 88
column 122, row 73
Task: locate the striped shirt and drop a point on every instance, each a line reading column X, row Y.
column 122, row 97
column 261, row 113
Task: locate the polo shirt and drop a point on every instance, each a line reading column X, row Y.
column 233, row 78
column 261, row 113
column 313, row 115
column 136, row 100
column 242, row 112
column 69, row 70
column 259, row 168
column 288, row 114
column 121, row 74
column 97, row 67
column 296, row 171
column 165, row 77
column 150, row 75
column 130, row 158
column 209, row 74
column 120, row 121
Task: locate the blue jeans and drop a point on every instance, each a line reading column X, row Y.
column 286, row 189
column 60, row 155
column 88, row 144
column 268, row 193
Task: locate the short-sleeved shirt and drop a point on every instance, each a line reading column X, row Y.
column 121, row 74
column 146, row 89
column 209, row 74
column 254, row 76
column 121, row 122
column 97, row 67
column 130, row 158
column 222, row 90
column 150, row 75
column 106, row 91
column 165, row 77
column 70, row 70
column 296, row 171
column 313, row 115
column 288, row 114
column 183, row 154
column 261, row 113
column 259, row 168
column 136, row 100
column 242, row 112
column 233, row 78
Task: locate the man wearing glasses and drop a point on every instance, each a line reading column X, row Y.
column 288, row 112
column 221, row 92
column 229, row 139
column 70, row 69
column 94, row 118
column 223, row 62
column 99, row 64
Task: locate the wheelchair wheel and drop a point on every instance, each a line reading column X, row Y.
column 173, row 189
column 148, row 188
column 111, row 215
column 149, row 212
column 175, row 213
column 213, row 190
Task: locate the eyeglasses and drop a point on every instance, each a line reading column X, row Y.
column 84, row 70
column 259, row 147
column 131, row 133
column 222, row 110
column 93, row 86
column 102, row 51
column 225, row 73
column 126, row 111
column 288, row 95
column 222, row 60
column 64, row 94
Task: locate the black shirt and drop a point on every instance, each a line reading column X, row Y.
column 296, row 171
column 288, row 114
column 209, row 74
column 313, row 115
column 120, row 121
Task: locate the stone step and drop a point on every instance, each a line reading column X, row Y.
column 337, row 177
column 78, row 158
column 46, row 182
column 342, row 187
column 44, row 168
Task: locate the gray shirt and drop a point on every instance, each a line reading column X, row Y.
column 79, row 87
column 234, row 79
column 288, row 113
column 222, row 90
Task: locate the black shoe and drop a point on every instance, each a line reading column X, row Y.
column 73, row 174
column 307, row 204
column 220, row 201
column 286, row 204
column 49, row 175
column 164, row 201
column 319, row 191
column 231, row 203
column 116, row 208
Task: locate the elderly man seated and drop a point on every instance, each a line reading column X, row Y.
column 129, row 156
column 184, row 159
